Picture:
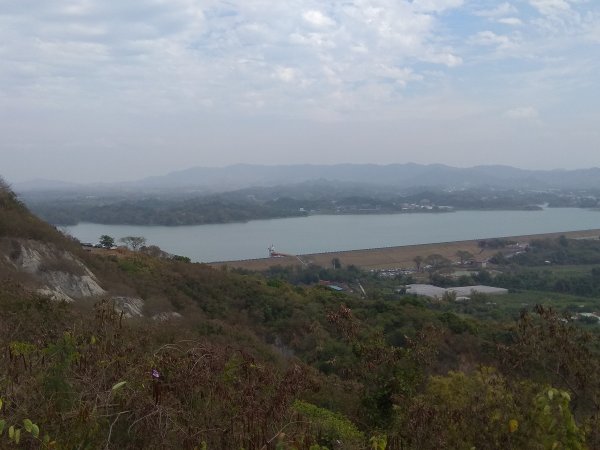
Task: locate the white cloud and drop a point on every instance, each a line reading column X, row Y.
column 445, row 58
column 504, row 9
column 286, row 74
column 436, row 5
column 317, row 40
column 359, row 48
column 489, row 38
column 513, row 21
column 562, row 18
column 317, row 18
column 592, row 30
column 551, row 7
column 401, row 76
column 523, row 113
column 505, row 13
column 191, row 53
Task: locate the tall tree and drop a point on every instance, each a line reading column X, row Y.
column 133, row 242
column 437, row 261
column 464, row 256
column 106, row 241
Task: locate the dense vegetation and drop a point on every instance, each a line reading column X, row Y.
column 275, row 362
column 555, row 265
column 154, row 211
column 62, row 208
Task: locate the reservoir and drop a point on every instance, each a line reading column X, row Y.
column 326, row 233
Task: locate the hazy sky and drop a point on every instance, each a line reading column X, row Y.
column 111, row 90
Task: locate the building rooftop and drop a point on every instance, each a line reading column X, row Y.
column 428, row 290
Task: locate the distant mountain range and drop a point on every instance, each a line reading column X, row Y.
column 239, row 176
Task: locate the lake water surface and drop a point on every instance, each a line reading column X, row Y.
column 316, row 234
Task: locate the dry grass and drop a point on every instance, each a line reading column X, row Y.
column 396, row 257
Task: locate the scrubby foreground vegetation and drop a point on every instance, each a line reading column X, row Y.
column 259, row 363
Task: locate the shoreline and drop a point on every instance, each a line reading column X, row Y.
column 438, row 210
column 395, row 257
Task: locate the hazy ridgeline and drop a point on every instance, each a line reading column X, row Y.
column 242, row 193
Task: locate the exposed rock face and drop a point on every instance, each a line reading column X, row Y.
column 61, row 275
column 130, row 306
column 73, row 286
column 58, row 274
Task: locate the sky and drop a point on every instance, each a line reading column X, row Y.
column 92, row 90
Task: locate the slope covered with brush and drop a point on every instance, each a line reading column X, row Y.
column 257, row 363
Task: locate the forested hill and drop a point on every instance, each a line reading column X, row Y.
column 250, row 361
column 320, row 197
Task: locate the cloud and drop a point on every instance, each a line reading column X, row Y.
column 286, row 74
column 513, row 21
column 401, row 76
column 436, row 6
column 446, row 58
column 592, row 30
column 564, row 18
column 504, row 9
column 342, row 58
column 551, row 7
column 489, row 38
column 191, row 53
column 523, row 113
column 317, row 18
column 504, row 13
